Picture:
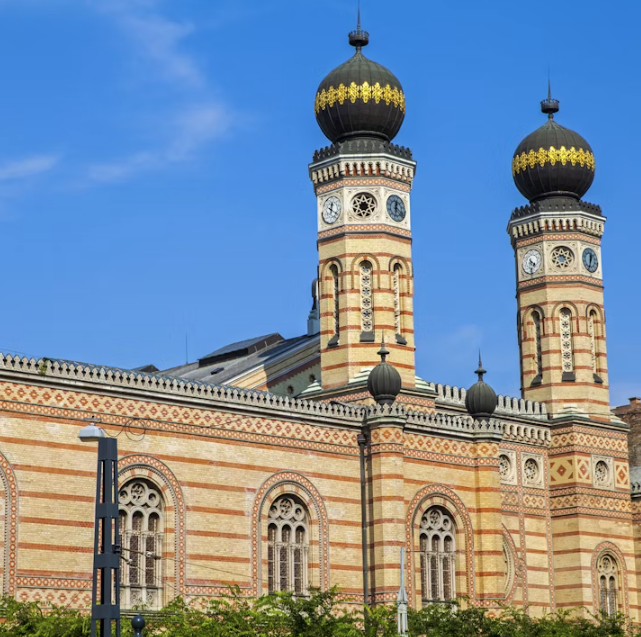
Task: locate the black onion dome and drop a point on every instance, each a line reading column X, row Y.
column 480, row 399
column 553, row 161
column 360, row 98
column 384, row 382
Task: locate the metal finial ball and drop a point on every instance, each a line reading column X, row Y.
column 138, row 623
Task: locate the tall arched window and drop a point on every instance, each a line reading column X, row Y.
column 396, row 287
column 567, row 351
column 367, row 301
column 593, row 330
column 333, row 270
column 608, row 578
column 287, row 546
column 141, row 537
column 538, row 354
column 438, row 556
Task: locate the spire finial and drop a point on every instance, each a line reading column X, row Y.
column 480, row 371
column 358, row 38
column 383, row 352
column 549, row 105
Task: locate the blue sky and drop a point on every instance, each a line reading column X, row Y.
column 153, row 169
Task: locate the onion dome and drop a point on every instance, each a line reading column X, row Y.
column 480, row 400
column 553, row 161
column 384, row 382
column 360, row 98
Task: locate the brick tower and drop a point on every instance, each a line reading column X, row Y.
column 362, row 184
column 557, row 245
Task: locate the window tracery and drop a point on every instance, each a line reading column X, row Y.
column 396, row 287
column 567, row 353
column 592, row 331
column 367, row 304
column 608, row 578
column 335, row 292
column 287, row 546
column 141, row 537
column 438, row 556
column 538, row 353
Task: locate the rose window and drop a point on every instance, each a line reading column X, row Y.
column 505, row 467
column 531, row 470
column 363, row 205
column 562, row 258
column 601, row 472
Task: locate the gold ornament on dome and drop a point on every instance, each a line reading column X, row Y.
column 365, row 92
column 552, row 156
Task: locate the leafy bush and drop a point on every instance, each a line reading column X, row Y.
column 322, row 614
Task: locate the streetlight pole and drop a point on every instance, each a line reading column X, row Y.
column 107, row 549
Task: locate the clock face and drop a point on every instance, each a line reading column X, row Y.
column 396, row 208
column 531, row 261
column 590, row 260
column 331, row 209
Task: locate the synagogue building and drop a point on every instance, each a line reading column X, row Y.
column 259, row 464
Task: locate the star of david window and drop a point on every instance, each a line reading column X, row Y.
column 363, row 205
column 287, row 546
column 562, row 258
column 438, row 557
column 141, row 537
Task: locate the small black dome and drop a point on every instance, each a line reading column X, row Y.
column 480, row 399
column 553, row 160
column 384, row 382
column 360, row 98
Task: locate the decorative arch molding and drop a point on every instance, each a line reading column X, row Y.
column 355, row 269
column 442, row 496
column 516, row 564
column 10, row 553
column 570, row 306
column 283, row 483
column 328, row 264
column 613, row 549
column 593, row 307
column 152, row 469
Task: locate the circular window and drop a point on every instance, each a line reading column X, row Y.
column 601, row 472
column 562, row 258
column 363, row 205
column 505, row 467
column 531, row 470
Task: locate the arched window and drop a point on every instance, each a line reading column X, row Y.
column 438, row 556
column 367, row 301
column 538, row 354
column 141, row 537
column 287, row 546
column 397, row 274
column 593, row 330
column 608, row 578
column 508, row 562
column 333, row 270
column 567, row 351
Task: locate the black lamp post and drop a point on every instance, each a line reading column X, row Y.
column 107, row 549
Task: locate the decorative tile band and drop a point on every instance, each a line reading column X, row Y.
column 552, row 156
column 364, row 92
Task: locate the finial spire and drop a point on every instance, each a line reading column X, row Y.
column 549, row 105
column 480, row 371
column 383, row 352
column 358, row 38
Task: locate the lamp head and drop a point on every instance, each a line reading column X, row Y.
column 92, row 433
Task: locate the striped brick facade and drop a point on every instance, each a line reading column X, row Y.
column 220, row 457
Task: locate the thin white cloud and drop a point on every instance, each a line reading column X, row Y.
column 27, row 167
column 192, row 129
column 157, row 38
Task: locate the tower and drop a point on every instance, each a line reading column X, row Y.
column 362, row 183
column 557, row 246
